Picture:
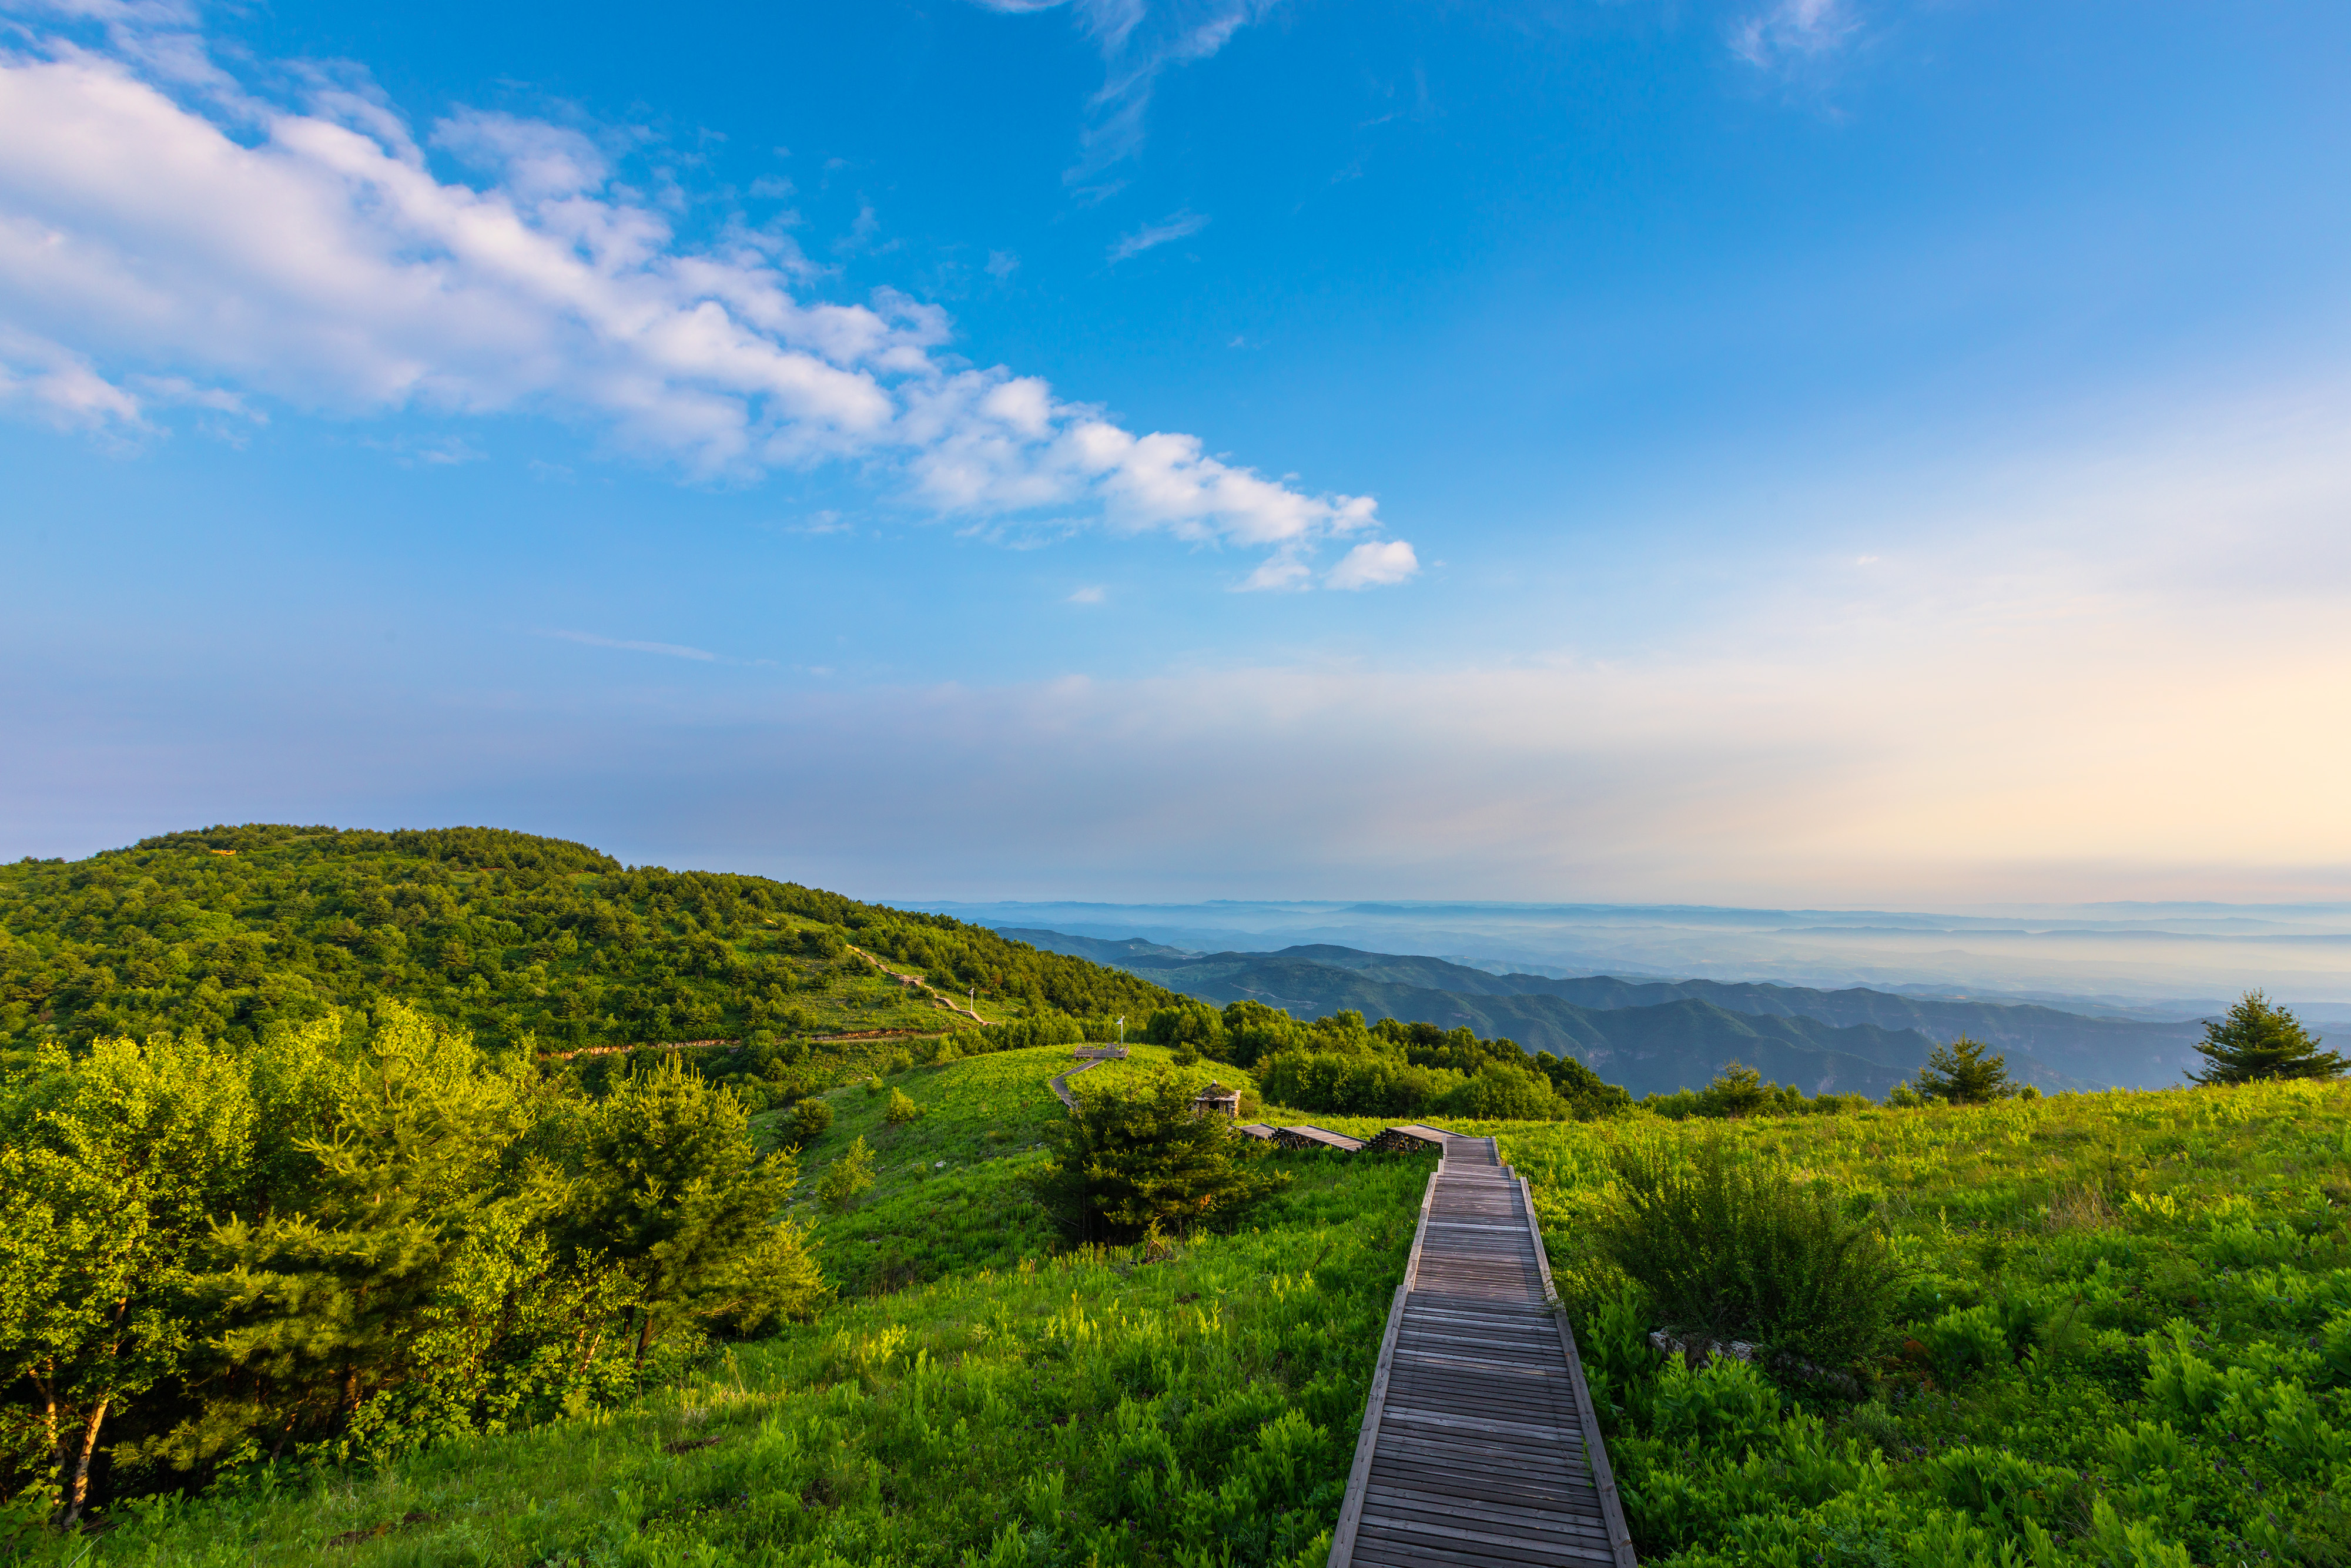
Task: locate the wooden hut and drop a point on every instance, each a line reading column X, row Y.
column 1217, row 1099
column 1412, row 1138
column 1316, row 1138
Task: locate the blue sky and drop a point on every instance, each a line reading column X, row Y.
column 1803, row 451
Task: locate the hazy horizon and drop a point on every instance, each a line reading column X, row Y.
column 2175, row 965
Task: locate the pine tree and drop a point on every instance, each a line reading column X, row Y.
column 329, row 1289
column 2259, row 1039
column 1961, row 1073
column 674, row 1192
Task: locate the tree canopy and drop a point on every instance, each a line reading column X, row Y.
column 1128, row 1162
column 356, row 1237
column 230, row 930
column 2260, row 1039
column 1964, row 1072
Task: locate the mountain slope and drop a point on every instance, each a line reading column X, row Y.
column 1654, row 1048
column 231, row 930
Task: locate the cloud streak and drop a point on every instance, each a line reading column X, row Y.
column 1139, row 41
column 160, row 219
column 668, row 650
column 1176, row 226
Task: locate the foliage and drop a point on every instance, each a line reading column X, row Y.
column 230, row 930
column 1731, row 1248
column 847, row 1176
column 1964, row 1073
column 1739, row 1091
column 2259, row 1039
column 674, row 1193
column 807, row 1122
column 1091, row 1407
column 902, row 1109
column 950, row 1191
column 1124, row 1162
column 111, row 1170
column 2122, row 1336
column 357, row 1238
column 1337, row 1064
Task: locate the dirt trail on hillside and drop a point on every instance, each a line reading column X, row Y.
column 937, row 996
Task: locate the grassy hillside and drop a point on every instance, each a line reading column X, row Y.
column 2121, row 1333
column 234, row 930
column 1103, row 1405
column 2124, row 1338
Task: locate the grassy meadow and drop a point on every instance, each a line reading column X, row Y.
column 2124, row 1332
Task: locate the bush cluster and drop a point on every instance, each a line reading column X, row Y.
column 1341, row 1065
column 1126, row 1162
column 355, row 1237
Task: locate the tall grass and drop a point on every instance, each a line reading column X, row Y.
column 1733, row 1249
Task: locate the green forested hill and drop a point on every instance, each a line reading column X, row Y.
column 231, row 929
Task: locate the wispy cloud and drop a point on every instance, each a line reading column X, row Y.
column 1138, row 40
column 1175, row 226
column 1793, row 30
column 161, row 218
column 1093, row 593
column 667, row 650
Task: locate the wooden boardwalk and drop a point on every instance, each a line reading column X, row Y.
column 1480, row 1448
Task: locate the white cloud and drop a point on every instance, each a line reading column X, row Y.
column 1138, row 40
column 57, row 387
column 1176, row 226
column 668, row 650
column 159, row 220
column 1793, row 30
column 1374, row 564
column 1093, row 593
column 987, row 443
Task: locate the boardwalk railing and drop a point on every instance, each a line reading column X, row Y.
column 1480, row 1446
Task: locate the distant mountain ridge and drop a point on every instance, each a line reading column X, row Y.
column 1657, row 1036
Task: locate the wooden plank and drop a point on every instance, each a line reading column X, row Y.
column 1351, row 1512
column 1480, row 1446
column 1603, row 1477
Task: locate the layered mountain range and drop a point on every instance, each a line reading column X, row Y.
column 1658, row 1036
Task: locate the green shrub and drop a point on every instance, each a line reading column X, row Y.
column 808, row 1122
column 1501, row 1093
column 1124, row 1162
column 902, row 1110
column 1743, row 1250
column 847, row 1176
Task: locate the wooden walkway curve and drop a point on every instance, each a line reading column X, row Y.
column 1479, row 1446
